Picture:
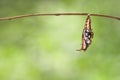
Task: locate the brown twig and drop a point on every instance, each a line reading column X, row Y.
column 56, row 14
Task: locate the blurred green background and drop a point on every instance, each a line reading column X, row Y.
column 44, row 48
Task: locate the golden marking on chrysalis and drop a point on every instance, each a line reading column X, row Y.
column 87, row 34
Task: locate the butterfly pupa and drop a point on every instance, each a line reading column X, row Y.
column 87, row 34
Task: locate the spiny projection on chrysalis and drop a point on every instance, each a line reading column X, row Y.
column 87, row 34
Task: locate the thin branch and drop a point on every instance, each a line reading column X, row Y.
column 57, row 14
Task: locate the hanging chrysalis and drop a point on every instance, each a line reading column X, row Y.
column 87, row 34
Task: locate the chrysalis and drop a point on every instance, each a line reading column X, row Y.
column 87, row 34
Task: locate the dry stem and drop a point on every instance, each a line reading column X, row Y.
column 57, row 14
